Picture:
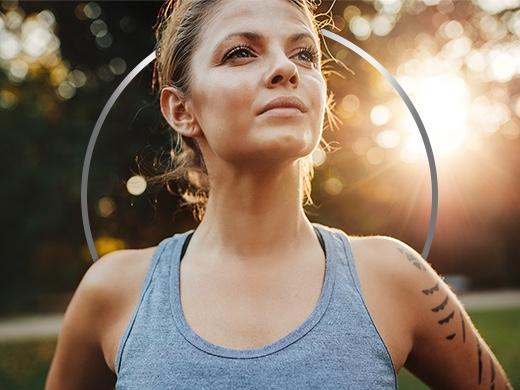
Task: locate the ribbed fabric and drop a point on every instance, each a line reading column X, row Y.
column 336, row 347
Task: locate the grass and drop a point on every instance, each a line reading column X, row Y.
column 24, row 365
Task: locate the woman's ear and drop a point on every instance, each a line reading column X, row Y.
column 176, row 112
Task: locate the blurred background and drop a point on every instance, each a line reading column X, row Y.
column 458, row 60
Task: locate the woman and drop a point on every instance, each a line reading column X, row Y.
column 262, row 297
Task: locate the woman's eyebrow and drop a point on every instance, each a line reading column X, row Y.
column 256, row 37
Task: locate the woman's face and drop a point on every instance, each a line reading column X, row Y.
column 230, row 87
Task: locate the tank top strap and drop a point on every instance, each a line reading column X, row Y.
column 347, row 260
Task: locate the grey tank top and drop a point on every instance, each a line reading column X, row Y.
column 336, row 347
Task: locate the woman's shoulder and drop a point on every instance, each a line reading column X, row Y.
column 118, row 272
column 389, row 257
column 113, row 282
column 397, row 270
column 387, row 263
column 117, row 264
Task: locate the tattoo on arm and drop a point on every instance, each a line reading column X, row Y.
column 492, row 384
column 463, row 327
column 412, row 259
column 441, row 305
column 446, row 319
column 429, row 291
column 479, row 352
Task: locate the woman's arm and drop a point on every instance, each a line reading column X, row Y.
column 448, row 351
column 78, row 361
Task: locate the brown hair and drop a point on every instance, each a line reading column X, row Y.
column 178, row 31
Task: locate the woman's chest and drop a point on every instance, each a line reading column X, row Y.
column 250, row 309
column 235, row 312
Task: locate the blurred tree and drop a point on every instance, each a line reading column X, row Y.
column 60, row 61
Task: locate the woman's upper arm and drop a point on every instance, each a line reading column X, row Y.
column 78, row 361
column 448, row 351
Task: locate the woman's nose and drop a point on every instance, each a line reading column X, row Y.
column 282, row 71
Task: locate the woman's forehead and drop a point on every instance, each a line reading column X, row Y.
column 261, row 17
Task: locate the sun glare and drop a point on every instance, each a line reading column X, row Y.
column 443, row 103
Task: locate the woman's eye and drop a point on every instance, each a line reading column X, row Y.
column 235, row 50
column 310, row 53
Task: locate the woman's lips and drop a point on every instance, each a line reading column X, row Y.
column 283, row 112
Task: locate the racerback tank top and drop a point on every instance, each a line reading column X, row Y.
column 337, row 347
